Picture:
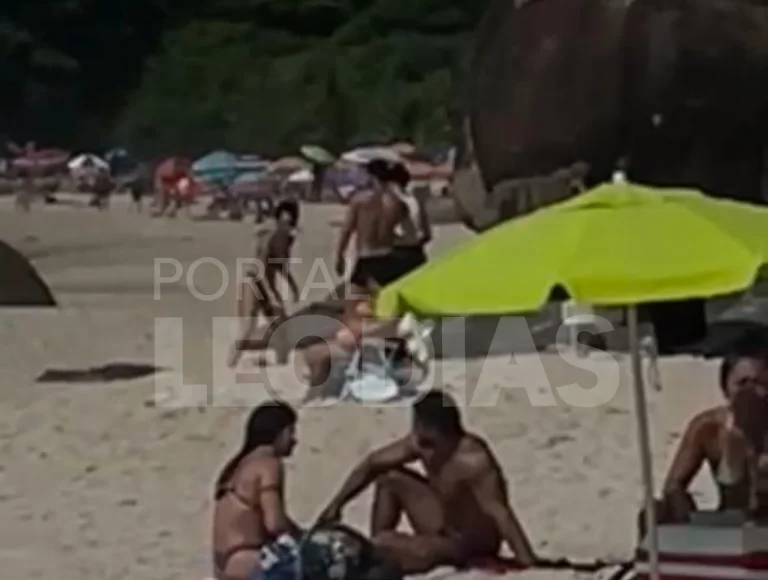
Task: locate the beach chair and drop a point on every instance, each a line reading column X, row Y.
column 649, row 350
column 577, row 318
column 370, row 376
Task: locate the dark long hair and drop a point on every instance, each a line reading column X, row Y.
column 264, row 426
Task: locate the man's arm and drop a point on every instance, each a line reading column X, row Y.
column 347, row 228
column 377, row 463
column 490, row 490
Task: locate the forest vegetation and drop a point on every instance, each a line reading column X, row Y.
column 266, row 76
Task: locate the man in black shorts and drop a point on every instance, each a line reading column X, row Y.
column 373, row 216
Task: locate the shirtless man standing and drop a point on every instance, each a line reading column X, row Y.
column 459, row 512
column 372, row 216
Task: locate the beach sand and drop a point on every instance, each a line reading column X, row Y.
column 107, row 481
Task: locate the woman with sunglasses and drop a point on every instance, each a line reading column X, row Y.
column 729, row 438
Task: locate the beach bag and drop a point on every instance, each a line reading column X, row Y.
column 369, row 377
column 337, row 552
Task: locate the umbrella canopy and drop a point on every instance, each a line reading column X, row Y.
column 317, row 154
column 249, row 177
column 247, row 163
column 301, row 176
column 255, row 183
column 87, row 161
column 288, row 165
column 42, row 161
column 218, row 166
column 363, row 155
column 615, row 245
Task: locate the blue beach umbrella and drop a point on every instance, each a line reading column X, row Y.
column 218, row 167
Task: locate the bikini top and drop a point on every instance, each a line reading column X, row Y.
column 733, row 478
column 232, row 489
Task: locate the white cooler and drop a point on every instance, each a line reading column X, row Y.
column 713, row 547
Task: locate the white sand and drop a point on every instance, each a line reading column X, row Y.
column 97, row 483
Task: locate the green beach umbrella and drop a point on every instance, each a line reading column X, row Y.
column 615, row 245
column 619, row 244
column 317, row 154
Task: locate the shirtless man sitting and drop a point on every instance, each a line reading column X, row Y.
column 373, row 216
column 459, row 512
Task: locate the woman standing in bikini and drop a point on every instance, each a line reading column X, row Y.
column 253, row 536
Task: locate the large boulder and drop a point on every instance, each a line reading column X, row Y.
column 679, row 87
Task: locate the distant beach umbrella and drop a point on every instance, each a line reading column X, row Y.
column 301, row 176
column 317, row 154
column 365, row 154
column 87, row 161
column 288, row 165
column 20, row 284
column 217, row 167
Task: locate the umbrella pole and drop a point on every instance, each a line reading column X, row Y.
column 644, row 441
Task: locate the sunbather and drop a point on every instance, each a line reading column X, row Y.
column 729, row 439
column 253, row 537
column 459, row 512
column 357, row 323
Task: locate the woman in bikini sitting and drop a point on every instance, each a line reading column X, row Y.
column 729, row 438
column 253, row 537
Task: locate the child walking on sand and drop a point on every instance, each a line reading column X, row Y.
column 258, row 292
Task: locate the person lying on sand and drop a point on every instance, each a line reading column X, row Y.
column 726, row 439
column 459, row 511
column 253, row 536
column 356, row 324
column 258, row 292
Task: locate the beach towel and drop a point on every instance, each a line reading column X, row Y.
column 504, row 565
column 279, row 559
